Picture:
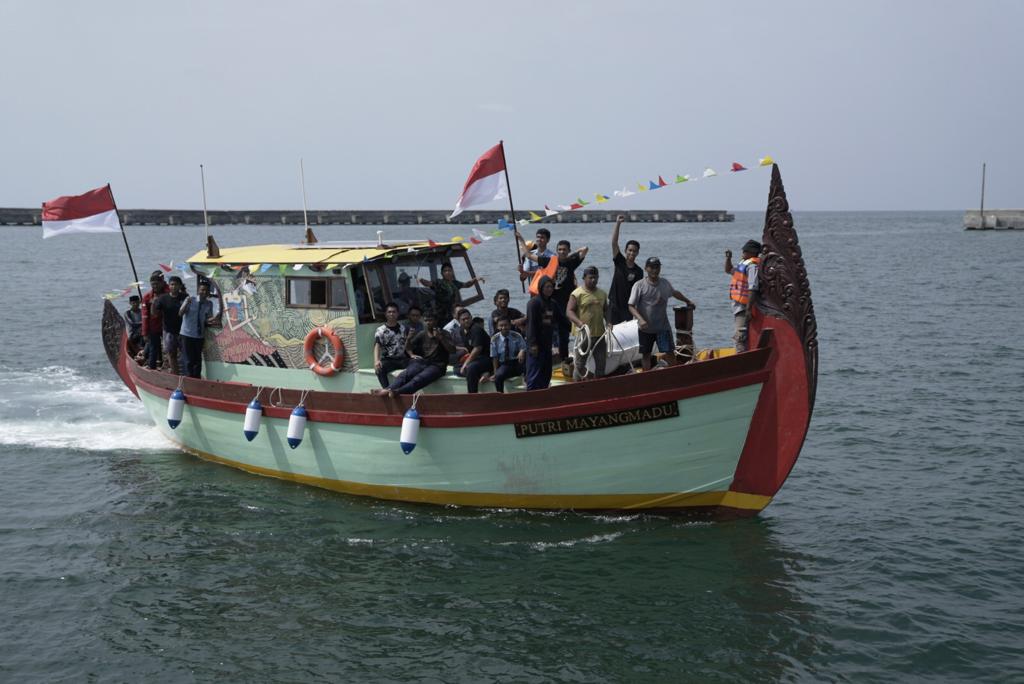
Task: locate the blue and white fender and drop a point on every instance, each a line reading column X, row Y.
column 253, row 415
column 297, row 426
column 175, row 408
column 410, row 430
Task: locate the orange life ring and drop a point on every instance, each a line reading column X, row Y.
column 333, row 340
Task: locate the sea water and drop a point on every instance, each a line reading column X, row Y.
column 892, row 553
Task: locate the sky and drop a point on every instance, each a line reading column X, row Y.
column 872, row 105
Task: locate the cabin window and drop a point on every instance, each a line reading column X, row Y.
column 316, row 293
column 403, row 276
column 339, row 293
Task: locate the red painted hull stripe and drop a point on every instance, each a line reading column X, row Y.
column 481, row 419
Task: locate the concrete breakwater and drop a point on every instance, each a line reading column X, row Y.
column 995, row 219
column 383, row 217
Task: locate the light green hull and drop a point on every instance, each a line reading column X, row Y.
column 695, row 452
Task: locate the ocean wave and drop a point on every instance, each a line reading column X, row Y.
column 56, row 407
column 87, row 436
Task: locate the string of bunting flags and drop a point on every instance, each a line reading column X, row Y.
column 479, row 236
column 504, row 225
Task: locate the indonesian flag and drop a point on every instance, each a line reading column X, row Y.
column 486, row 182
column 91, row 212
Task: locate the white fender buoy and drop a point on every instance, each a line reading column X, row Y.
column 253, row 414
column 296, row 426
column 410, row 430
column 175, row 408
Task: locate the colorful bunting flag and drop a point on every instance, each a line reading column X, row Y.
column 601, row 199
column 654, row 186
column 165, row 267
column 548, row 211
column 736, row 166
column 575, row 206
column 624, row 192
column 535, row 216
column 579, row 200
column 564, row 207
column 475, row 241
column 431, row 243
column 641, row 187
column 682, row 179
column 709, row 172
column 661, row 182
column 765, row 161
column 281, row 268
column 502, row 223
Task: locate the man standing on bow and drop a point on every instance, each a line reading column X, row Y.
column 743, row 289
column 152, row 321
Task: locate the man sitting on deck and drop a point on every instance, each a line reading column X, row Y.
column 389, row 345
column 478, row 361
column 508, row 352
column 428, row 359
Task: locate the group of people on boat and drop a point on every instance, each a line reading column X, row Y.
column 167, row 325
column 420, row 339
column 522, row 344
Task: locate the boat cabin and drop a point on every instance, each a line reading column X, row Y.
column 272, row 296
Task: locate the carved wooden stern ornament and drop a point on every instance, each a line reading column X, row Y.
column 784, row 291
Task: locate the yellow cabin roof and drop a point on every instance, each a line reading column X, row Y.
column 320, row 253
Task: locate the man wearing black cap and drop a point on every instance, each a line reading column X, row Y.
column 648, row 302
column 743, row 289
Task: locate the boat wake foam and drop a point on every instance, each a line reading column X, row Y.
column 60, row 408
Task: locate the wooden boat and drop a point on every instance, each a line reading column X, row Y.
column 718, row 436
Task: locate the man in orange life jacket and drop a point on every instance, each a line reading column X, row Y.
column 743, row 289
column 561, row 268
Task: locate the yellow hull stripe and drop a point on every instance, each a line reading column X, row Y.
column 736, row 500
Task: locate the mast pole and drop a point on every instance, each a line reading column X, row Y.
column 206, row 218
column 302, row 180
column 981, row 210
column 135, row 274
column 515, row 226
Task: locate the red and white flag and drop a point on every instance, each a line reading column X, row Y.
column 91, row 212
column 486, row 182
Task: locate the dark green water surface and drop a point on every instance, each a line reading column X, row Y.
column 893, row 552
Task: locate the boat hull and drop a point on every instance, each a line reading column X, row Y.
column 686, row 459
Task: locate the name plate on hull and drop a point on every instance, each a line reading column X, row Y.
column 596, row 421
